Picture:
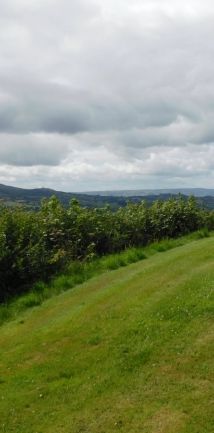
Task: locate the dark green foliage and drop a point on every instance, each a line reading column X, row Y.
column 35, row 245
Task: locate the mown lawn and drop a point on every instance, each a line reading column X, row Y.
column 129, row 351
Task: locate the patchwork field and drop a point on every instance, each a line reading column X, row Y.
column 129, row 351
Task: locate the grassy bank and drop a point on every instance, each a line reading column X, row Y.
column 131, row 351
column 78, row 272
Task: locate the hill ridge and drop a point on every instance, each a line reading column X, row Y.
column 33, row 197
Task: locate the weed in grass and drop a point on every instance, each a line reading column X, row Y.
column 131, row 360
column 133, row 255
column 75, row 268
column 32, row 299
column 202, row 233
column 164, row 245
column 112, row 263
column 63, row 282
column 79, row 279
column 94, row 340
column 39, row 286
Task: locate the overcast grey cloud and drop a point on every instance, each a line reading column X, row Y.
column 96, row 94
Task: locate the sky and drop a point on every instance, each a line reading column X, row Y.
column 107, row 94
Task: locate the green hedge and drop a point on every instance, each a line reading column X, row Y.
column 35, row 245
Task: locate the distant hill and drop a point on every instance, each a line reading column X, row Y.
column 32, row 197
column 197, row 192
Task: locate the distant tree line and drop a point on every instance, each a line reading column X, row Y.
column 35, row 245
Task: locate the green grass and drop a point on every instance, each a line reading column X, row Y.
column 79, row 272
column 127, row 351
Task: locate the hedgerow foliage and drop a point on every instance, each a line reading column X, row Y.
column 34, row 245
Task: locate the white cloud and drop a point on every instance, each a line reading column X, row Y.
column 93, row 92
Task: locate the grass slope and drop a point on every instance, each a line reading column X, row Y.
column 129, row 351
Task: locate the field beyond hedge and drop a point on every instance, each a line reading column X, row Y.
column 128, row 351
